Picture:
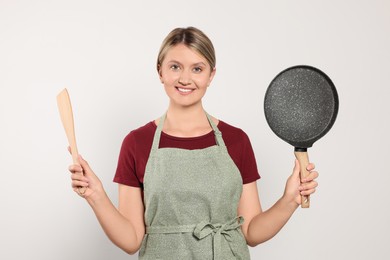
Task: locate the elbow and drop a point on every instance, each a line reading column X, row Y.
column 251, row 243
column 130, row 249
column 130, row 252
column 254, row 239
column 254, row 243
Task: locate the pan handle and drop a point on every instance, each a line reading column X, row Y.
column 303, row 158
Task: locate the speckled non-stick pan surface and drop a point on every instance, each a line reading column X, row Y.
column 301, row 105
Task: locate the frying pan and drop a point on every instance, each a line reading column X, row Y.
column 66, row 113
column 301, row 106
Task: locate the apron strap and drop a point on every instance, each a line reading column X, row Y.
column 157, row 134
column 217, row 133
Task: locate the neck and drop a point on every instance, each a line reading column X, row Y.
column 186, row 121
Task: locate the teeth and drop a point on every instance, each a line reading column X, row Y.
column 184, row 90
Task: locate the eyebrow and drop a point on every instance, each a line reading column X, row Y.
column 195, row 64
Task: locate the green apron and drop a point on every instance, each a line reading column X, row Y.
column 191, row 199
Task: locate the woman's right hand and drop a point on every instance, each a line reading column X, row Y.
column 84, row 181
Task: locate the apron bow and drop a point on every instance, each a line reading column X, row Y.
column 217, row 231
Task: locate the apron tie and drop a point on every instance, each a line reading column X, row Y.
column 204, row 229
column 217, row 231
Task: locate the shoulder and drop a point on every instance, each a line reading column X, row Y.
column 140, row 134
column 223, row 126
column 240, row 150
column 146, row 129
column 231, row 133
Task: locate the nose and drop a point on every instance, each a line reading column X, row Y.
column 185, row 78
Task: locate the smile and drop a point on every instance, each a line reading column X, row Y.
column 184, row 90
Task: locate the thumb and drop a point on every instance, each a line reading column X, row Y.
column 297, row 169
column 84, row 164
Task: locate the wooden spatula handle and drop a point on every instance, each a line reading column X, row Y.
column 66, row 113
column 303, row 159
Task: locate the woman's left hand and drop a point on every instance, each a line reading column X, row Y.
column 295, row 187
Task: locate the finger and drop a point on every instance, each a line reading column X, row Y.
column 310, row 167
column 78, row 180
column 78, row 177
column 312, row 176
column 308, row 192
column 308, row 186
column 76, row 184
column 74, row 168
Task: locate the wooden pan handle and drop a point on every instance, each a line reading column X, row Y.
column 66, row 113
column 303, row 159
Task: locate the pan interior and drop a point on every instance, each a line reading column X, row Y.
column 301, row 105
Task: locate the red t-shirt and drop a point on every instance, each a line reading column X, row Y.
column 137, row 144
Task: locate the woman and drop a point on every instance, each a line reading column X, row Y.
column 187, row 181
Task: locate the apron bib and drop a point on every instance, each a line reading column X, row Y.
column 191, row 199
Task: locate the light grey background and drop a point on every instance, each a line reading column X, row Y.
column 104, row 52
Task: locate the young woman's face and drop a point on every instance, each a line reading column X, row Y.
column 186, row 75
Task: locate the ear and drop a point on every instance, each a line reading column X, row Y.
column 212, row 74
column 160, row 73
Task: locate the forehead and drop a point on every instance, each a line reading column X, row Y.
column 185, row 54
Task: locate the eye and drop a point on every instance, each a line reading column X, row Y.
column 174, row 67
column 197, row 69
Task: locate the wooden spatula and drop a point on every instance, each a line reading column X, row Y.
column 65, row 108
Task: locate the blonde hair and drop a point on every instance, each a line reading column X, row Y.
column 193, row 38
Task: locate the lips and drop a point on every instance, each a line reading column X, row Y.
column 184, row 90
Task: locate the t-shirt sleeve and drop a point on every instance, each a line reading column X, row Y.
column 248, row 165
column 250, row 170
column 240, row 149
column 126, row 168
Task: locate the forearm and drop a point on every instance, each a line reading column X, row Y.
column 118, row 229
column 268, row 223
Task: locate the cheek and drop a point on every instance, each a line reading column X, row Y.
column 169, row 78
column 202, row 82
